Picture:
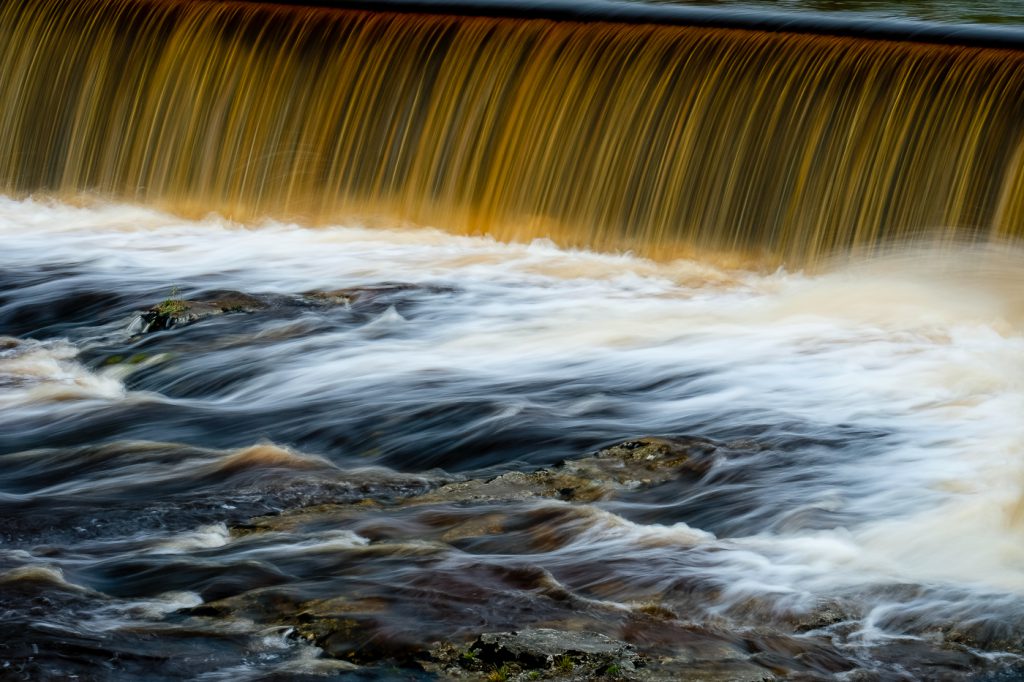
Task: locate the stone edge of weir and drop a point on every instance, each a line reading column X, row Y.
column 632, row 12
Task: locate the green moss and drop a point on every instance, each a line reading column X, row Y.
column 136, row 359
column 172, row 305
column 499, row 674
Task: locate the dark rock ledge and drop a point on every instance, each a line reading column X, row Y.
column 553, row 644
column 471, row 604
column 175, row 311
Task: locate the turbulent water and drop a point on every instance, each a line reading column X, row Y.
column 866, row 420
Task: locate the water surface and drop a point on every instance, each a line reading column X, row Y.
column 864, row 419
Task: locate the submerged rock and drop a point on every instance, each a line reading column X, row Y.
column 385, row 293
column 535, row 654
column 630, row 465
column 545, row 648
column 470, row 580
column 178, row 312
column 371, row 299
column 578, row 655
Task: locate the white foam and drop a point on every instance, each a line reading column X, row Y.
column 35, row 372
column 925, row 348
column 204, row 537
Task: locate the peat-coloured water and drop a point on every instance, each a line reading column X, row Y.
column 333, row 342
column 666, row 140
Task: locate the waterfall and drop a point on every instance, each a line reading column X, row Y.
column 661, row 139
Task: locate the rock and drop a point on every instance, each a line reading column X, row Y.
column 386, row 294
column 177, row 312
column 356, row 640
column 633, row 464
column 374, row 299
column 646, row 461
column 561, row 651
column 366, row 294
column 428, row 623
column 824, row 613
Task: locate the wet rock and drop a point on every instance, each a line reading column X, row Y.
column 543, row 647
column 985, row 637
column 353, row 630
column 314, row 669
column 558, row 654
column 822, row 614
column 202, row 486
column 671, row 670
column 623, row 467
column 373, row 299
column 425, row 619
column 540, row 653
column 178, row 312
column 1011, row 671
column 359, row 640
column 923, row 660
column 679, row 650
column 630, row 465
column 385, row 293
column 826, row 613
column 36, row 591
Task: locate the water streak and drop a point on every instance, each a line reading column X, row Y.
column 660, row 139
column 868, row 448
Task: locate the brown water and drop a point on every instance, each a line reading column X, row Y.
column 339, row 469
column 658, row 139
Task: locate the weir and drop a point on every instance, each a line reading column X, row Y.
column 597, row 131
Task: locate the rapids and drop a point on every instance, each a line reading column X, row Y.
column 868, row 411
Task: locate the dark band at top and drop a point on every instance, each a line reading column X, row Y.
column 973, row 35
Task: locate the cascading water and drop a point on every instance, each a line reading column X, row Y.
column 312, row 321
column 660, row 139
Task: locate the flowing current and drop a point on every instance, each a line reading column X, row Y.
column 660, row 139
column 170, row 499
